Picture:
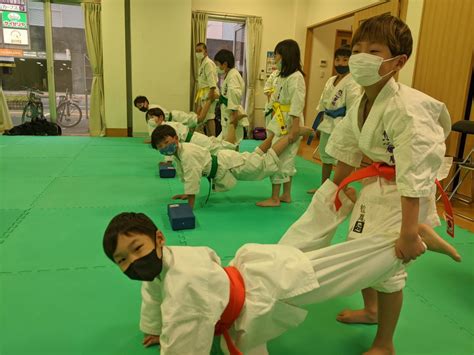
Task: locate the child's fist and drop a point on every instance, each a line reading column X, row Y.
column 150, row 340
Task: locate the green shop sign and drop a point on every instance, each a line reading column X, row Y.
column 14, row 19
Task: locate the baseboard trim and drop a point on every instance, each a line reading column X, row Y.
column 116, row 132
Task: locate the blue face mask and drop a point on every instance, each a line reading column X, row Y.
column 170, row 149
column 342, row 69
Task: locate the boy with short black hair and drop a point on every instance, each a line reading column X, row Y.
column 232, row 90
column 188, row 297
column 156, row 117
column 338, row 95
column 224, row 168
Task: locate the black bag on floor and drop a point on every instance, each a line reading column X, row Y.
column 38, row 127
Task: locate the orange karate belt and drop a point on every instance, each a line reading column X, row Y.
column 388, row 172
column 232, row 311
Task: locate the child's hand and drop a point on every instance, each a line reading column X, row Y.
column 150, row 340
column 180, row 197
column 409, row 248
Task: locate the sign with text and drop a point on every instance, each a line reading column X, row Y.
column 14, row 20
column 15, row 36
column 13, row 5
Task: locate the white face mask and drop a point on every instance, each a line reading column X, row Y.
column 199, row 55
column 220, row 71
column 365, row 67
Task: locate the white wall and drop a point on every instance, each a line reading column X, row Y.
column 160, row 47
column 113, row 43
column 161, row 57
column 324, row 38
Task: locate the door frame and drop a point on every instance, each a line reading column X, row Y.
column 397, row 7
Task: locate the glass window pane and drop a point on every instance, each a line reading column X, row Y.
column 23, row 59
column 72, row 72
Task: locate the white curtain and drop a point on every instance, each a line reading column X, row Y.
column 198, row 34
column 253, row 33
column 92, row 24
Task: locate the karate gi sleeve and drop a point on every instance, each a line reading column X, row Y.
column 211, row 75
column 150, row 316
column 234, row 93
column 343, row 145
column 192, row 172
column 419, row 147
column 297, row 94
column 352, row 92
column 192, row 336
column 270, row 82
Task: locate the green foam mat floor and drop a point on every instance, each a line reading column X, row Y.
column 60, row 295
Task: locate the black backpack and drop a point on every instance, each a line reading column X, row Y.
column 37, row 127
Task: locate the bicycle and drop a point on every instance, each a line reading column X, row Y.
column 69, row 113
column 34, row 107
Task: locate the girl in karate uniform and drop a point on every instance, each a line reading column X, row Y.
column 231, row 94
column 287, row 103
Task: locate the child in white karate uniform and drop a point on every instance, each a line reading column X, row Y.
column 338, row 95
column 207, row 86
column 232, row 90
column 225, row 168
column 156, row 117
column 188, row 297
column 287, row 103
column 404, row 132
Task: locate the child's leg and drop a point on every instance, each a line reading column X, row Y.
column 231, row 136
column 367, row 315
column 211, row 128
column 326, row 173
column 390, row 305
column 316, row 227
column 202, row 112
column 286, row 196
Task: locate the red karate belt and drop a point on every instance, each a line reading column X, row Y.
column 232, row 311
column 388, row 173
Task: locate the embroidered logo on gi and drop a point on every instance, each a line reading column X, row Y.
column 336, row 97
column 359, row 224
column 389, row 146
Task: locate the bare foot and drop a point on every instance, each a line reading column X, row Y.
column 436, row 243
column 360, row 316
column 269, row 203
column 312, row 191
column 380, row 350
column 285, row 198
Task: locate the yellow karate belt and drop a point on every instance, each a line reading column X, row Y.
column 200, row 94
column 278, row 110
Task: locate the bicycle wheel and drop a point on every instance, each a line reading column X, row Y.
column 69, row 114
column 30, row 111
